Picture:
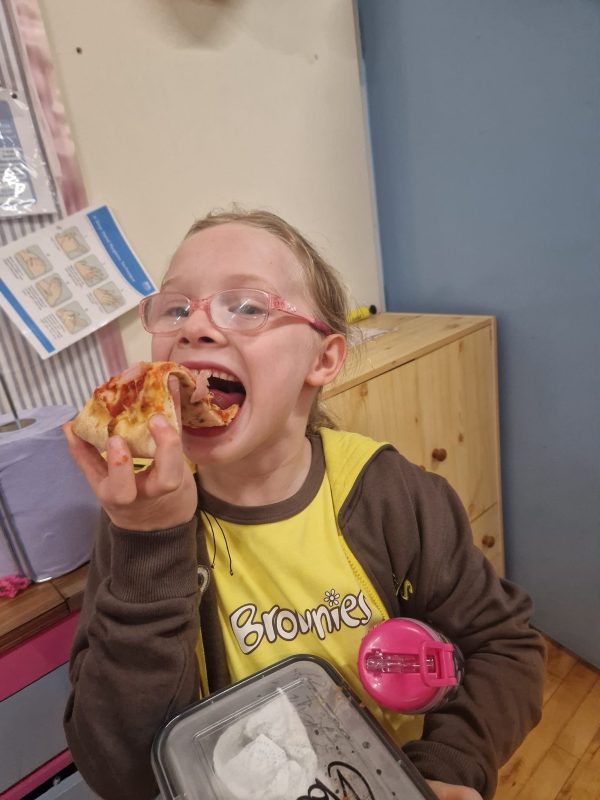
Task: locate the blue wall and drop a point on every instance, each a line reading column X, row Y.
column 485, row 126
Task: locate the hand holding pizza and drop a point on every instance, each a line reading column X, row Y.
column 139, row 413
column 162, row 496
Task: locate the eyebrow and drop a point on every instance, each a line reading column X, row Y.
column 240, row 280
column 250, row 281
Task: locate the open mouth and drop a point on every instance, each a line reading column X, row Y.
column 215, row 409
column 225, row 391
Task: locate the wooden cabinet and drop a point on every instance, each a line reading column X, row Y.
column 427, row 384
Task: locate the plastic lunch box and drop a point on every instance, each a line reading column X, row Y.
column 294, row 731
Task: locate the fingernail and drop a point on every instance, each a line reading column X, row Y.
column 115, row 443
column 159, row 421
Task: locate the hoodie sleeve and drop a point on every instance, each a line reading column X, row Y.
column 500, row 700
column 133, row 663
column 419, row 531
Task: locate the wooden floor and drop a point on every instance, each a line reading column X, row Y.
column 560, row 759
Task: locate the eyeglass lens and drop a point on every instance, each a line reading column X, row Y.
column 239, row 309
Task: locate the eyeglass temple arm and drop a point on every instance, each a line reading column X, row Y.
column 280, row 304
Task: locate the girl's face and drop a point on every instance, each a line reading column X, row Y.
column 279, row 366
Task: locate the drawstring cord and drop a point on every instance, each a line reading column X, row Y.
column 214, row 556
column 214, row 539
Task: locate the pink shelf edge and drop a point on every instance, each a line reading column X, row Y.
column 34, row 658
column 35, row 779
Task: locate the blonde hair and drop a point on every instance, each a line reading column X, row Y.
column 324, row 283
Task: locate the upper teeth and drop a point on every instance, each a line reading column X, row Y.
column 215, row 373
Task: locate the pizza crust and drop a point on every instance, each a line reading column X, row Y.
column 124, row 404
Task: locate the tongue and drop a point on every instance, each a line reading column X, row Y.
column 226, row 399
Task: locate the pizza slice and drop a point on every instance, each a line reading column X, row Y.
column 124, row 404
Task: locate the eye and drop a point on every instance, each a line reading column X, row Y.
column 245, row 303
column 247, row 308
column 176, row 311
column 173, row 307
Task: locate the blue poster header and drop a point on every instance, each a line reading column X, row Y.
column 119, row 251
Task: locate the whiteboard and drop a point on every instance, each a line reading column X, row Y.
column 180, row 106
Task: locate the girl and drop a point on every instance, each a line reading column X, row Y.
column 191, row 572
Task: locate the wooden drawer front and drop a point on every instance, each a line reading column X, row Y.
column 487, row 535
column 440, row 412
column 457, row 401
column 31, row 728
column 385, row 408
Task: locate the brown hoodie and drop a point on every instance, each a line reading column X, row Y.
column 134, row 667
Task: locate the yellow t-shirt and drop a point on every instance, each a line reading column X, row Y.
column 296, row 589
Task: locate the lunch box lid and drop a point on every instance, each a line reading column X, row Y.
column 292, row 731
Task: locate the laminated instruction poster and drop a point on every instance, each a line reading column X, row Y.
column 65, row 281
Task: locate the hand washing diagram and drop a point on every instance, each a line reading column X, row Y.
column 69, row 279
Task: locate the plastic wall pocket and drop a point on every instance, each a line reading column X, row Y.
column 409, row 667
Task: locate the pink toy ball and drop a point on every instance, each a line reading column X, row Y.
column 408, row 667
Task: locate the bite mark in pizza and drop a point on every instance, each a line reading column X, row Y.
column 124, row 404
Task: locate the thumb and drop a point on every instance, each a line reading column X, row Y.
column 450, row 791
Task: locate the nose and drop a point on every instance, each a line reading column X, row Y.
column 199, row 327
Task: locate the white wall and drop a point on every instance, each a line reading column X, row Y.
column 177, row 106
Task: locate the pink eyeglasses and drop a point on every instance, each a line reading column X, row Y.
column 229, row 310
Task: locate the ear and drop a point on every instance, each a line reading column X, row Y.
column 329, row 360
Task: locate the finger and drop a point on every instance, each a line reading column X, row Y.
column 175, row 389
column 167, row 472
column 85, row 455
column 447, row 791
column 119, row 487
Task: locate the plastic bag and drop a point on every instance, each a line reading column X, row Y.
column 26, row 186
